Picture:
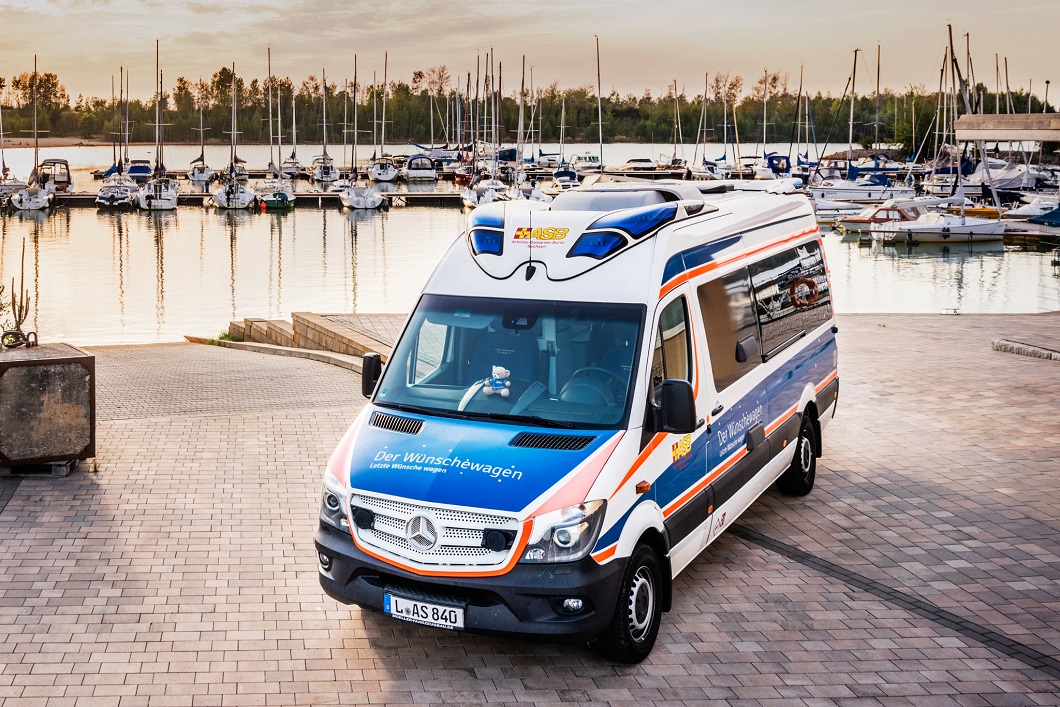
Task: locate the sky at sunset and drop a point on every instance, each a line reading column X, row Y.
column 644, row 44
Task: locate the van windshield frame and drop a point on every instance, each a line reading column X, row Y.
column 569, row 364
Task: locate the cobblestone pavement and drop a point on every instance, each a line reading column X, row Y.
column 924, row 569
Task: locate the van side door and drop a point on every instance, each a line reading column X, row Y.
column 679, row 489
column 736, row 448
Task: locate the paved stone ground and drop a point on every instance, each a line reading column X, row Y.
column 924, row 569
column 383, row 328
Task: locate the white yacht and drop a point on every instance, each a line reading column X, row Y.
column 382, row 169
column 357, row 197
column 419, row 167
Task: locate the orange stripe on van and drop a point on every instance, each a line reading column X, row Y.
column 527, row 527
column 639, row 461
column 688, row 495
column 831, row 377
column 707, row 267
column 576, row 490
column 605, row 554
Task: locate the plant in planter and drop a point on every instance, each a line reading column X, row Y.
column 20, row 301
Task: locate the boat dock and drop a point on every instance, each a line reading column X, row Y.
column 313, row 198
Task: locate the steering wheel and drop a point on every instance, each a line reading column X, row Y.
column 596, row 369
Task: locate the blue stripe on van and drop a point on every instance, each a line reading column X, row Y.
column 694, row 257
column 778, row 393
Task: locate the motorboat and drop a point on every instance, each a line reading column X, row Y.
column 565, row 177
column 55, row 172
column 233, row 194
column 938, row 227
column 586, row 162
column 33, row 198
column 867, row 188
column 890, row 210
column 419, row 167
column 483, row 191
column 117, row 192
column 829, row 212
column 382, row 169
column 1037, row 206
column 200, row 172
column 528, row 189
column 140, row 171
column 159, row 194
column 324, row 169
column 277, row 193
column 357, row 197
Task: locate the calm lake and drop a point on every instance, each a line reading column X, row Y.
column 110, row 278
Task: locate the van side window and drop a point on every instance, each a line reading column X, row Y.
column 729, row 321
column 672, row 351
column 791, row 295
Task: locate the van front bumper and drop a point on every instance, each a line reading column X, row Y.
column 524, row 602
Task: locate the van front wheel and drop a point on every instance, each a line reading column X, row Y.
column 635, row 625
column 799, row 477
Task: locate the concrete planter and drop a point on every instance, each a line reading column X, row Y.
column 47, row 405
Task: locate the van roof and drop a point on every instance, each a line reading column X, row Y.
column 617, row 242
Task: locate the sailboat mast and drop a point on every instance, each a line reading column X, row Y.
column 677, row 119
column 113, row 119
column 375, row 117
column 877, row 138
column 272, row 154
column 232, row 158
column 765, row 99
column 353, row 158
column 158, row 120
column 324, row 102
column 36, row 139
column 562, row 127
column 850, row 131
column 345, row 118
column 382, row 128
column 522, row 94
column 599, row 103
column 128, row 134
column 294, row 125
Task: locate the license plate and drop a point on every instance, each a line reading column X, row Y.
column 422, row 612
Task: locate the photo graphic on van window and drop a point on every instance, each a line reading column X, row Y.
column 562, row 364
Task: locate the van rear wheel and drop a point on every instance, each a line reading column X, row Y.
column 799, row 477
column 635, row 625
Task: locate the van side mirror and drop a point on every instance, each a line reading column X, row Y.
column 371, row 369
column 678, row 407
column 746, row 349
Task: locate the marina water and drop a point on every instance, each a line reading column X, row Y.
column 134, row 277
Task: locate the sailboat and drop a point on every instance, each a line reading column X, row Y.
column 160, row 193
column 291, row 167
column 355, row 196
column 382, row 168
column 233, row 193
column 277, row 191
column 39, row 193
column 118, row 190
column 324, row 169
column 200, row 172
column 8, row 184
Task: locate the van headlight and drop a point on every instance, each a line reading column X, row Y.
column 565, row 535
column 333, row 502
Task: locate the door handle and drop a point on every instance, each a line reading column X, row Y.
column 717, row 411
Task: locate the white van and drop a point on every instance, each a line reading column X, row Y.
column 586, row 395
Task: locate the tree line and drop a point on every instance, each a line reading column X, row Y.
column 428, row 102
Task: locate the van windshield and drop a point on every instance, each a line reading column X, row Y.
column 550, row 364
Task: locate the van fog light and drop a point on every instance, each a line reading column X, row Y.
column 573, row 605
column 535, row 554
column 333, row 501
column 325, row 561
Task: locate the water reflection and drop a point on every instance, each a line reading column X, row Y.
column 99, row 277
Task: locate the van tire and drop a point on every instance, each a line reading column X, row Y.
column 634, row 627
column 798, row 479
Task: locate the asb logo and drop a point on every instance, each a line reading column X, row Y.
column 682, row 447
column 541, row 234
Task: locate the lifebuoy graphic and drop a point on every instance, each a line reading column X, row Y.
column 798, row 298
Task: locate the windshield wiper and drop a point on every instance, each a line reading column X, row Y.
column 468, row 415
column 424, row 411
column 533, row 419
